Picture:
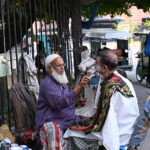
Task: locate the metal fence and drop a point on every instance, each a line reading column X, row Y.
column 37, row 28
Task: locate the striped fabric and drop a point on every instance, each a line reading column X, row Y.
column 51, row 137
column 76, row 143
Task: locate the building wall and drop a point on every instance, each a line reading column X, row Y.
column 137, row 15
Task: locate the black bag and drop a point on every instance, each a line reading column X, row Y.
column 24, row 108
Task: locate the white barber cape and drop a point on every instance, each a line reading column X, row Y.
column 119, row 123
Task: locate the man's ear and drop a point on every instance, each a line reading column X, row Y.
column 105, row 67
column 49, row 69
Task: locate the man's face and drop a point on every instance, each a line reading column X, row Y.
column 58, row 65
column 97, row 61
column 97, row 65
column 102, row 69
column 57, row 71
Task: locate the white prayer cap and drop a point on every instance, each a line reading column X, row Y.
column 50, row 58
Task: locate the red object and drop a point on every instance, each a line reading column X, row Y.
column 118, row 52
column 28, row 136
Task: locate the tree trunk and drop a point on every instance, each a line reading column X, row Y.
column 76, row 32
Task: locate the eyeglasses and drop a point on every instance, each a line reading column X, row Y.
column 61, row 65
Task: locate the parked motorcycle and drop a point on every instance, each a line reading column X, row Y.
column 142, row 69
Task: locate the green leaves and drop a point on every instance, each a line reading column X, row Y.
column 117, row 7
column 147, row 23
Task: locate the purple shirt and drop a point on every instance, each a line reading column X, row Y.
column 55, row 103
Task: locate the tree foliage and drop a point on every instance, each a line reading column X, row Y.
column 116, row 7
column 44, row 9
column 147, row 24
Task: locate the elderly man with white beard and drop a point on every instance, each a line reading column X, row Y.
column 56, row 104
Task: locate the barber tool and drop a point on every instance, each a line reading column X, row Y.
column 92, row 75
column 95, row 73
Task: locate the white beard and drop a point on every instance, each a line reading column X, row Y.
column 62, row 79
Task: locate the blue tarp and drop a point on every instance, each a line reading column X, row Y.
column 147, row 46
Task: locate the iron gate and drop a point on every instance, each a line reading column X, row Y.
column 36, row 27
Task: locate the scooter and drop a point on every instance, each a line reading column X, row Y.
column 142, row 70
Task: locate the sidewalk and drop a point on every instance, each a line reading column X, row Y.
column 146, row 143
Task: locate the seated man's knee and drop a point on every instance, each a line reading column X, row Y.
column 51, row 136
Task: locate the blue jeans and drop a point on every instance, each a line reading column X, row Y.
column 141, row 126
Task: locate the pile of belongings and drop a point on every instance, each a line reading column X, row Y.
column 5, row 135
column 87, row 63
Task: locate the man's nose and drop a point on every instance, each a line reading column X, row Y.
column 62, row 67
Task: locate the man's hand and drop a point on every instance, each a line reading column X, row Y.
column 85, row 80
column 80, row 102
column 136, row 148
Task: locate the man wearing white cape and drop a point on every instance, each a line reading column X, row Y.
column 117, row 111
